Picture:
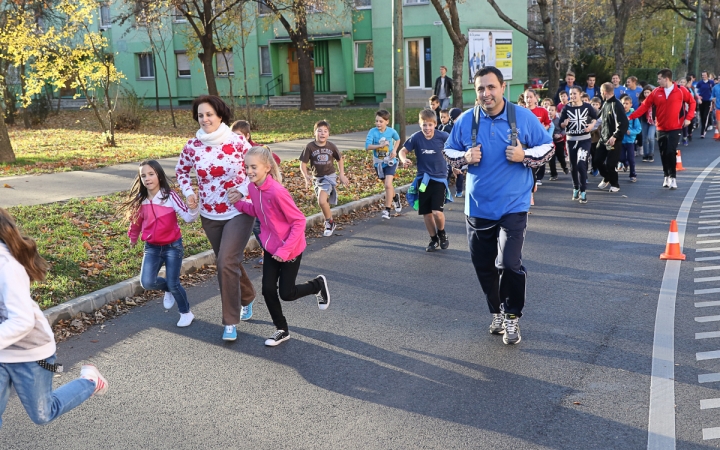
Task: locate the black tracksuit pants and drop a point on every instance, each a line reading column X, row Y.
column 607, row 159
column 705, row 120
column 282, row 275
column 496, row 253
column 667, row 144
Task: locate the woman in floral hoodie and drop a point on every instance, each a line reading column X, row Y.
column 217, row 155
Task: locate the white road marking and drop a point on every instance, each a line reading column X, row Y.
column 704, row 319
column 661, row 415
column 708, row 235
column 709, row 221
column 710, row 403
column 706, row 279
column 700, row 269
column 708, row 377
column 707, row 335
column 704, row 356
column 706, row 291
column 708, row 228
column 708, row 242
column 709, row 216
column 706, row 304
column 713, row 249
column 710, row 433
column 708, row 258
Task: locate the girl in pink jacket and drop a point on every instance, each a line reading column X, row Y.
column 152, row 209
column 282, row 232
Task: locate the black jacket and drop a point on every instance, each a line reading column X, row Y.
column 448, row 86
column 613, row 121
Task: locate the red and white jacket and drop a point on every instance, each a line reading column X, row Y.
column 670, row 110
column 218, row 159
column 157, row 219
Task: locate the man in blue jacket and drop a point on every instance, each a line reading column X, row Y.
column 497, row 200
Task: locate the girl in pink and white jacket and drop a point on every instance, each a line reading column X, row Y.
column 152, row 210
column 282, row 232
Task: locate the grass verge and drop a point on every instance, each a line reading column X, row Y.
column 73, row 141
column 87, row 245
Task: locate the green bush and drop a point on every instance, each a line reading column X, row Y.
column 130, row 112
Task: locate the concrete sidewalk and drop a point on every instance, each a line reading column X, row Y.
column 61, row 186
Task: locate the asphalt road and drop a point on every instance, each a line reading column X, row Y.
column 402, row 358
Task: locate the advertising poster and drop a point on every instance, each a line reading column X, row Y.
column 489, row 48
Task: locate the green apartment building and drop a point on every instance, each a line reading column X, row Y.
column 352, row 52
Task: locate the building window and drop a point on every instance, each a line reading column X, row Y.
column 364, row 56
column 224, row 63
column 183, row 65
column 105, row 20
column 147, row 68
column 362, row 4
column 177, row 15
column 263, row 9
column 265, row 68
column 416, row 2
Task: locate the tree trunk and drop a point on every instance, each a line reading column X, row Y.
column 717, row 56
column 6, row 151
column 622, row 16
column 457, row 74
column 207, row 61
column 553, row 69
column 307, row 87
column 25, row 112
column 155, row 75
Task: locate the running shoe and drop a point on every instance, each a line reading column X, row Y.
column 444, row 241
column 329, row 228
column 458, row 194
column 277, row 338
column 595, row 172
column 702, row 136
column 673, row 183
column 90, row 372
column 386, row 214
column 538, row 182
column 512, row 330
column 496, row 326
column 576, row 194
column 323, row 297
column 230, row 333
column 185, row 319
column 246, row 312
column 168, row 300
column 553, row 179
column 566, row 170
column 633, row 179
column 619, row 167
column 433, row 245
column 396, row 203
column 651, row 159
column 614, row 189
column 666, row 182
column 583, row 197
column 685, row 142
column 624, row 168
column 603, row 184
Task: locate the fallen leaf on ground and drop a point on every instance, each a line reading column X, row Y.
column 8, row 186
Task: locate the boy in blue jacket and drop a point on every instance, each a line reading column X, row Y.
column 627, row 156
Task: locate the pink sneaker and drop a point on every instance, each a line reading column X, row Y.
column 90, row 372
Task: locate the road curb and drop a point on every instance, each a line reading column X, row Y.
column 93, row 301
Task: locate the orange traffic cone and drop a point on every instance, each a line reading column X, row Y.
column 672, row 249
column 678, row 162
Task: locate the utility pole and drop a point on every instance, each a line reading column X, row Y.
column 398, row 70
column 698, row 29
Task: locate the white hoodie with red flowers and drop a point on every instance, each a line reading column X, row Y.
column 218, row 159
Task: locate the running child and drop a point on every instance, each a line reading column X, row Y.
column 445, row 125
column 627, row 155
column 596, row 104
column 152, row 209
column 430, row 187
column 242, row 127
column 27, row 343
column 578, row 119
column 384, row 142
column 282, row 230
column 321, row 155
column 435, row 106
column 559, row 142
column 564, row 100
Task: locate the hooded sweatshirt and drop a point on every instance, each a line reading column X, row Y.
column 218, row 159
column 157, row 219
column 25, row 334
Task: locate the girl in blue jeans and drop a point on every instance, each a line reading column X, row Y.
column 27, row 343
column 152, row 210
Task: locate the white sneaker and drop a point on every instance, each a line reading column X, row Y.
column 168, row 300
column 666, row 182
column 329, row 228
column 90, row 372
column 397, row 203
column 673, row 183
column 385, row 214
column 614, row 189
column 185, row 319
column 603, row 184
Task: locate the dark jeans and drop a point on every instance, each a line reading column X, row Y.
column 705, row 116
column 578, row 162
column 667, row 144
column 256, row 232
column 559, row 155
column 172, row 256
column 459, row 181
column 496, row 253
column 593, row 146
column 282, row 275
column 539, row 173
column 606, row 160
column 627, row 157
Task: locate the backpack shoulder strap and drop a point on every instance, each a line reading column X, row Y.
column 475, row 125
column 513, row 123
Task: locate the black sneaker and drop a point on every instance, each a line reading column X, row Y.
column 433, row 245
column 277, row 338
column 396, row 203
column 496, row 327
column 323, row 297
column 512, row 329
column 444, row 241
column 651, row 159
column 566, row 170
